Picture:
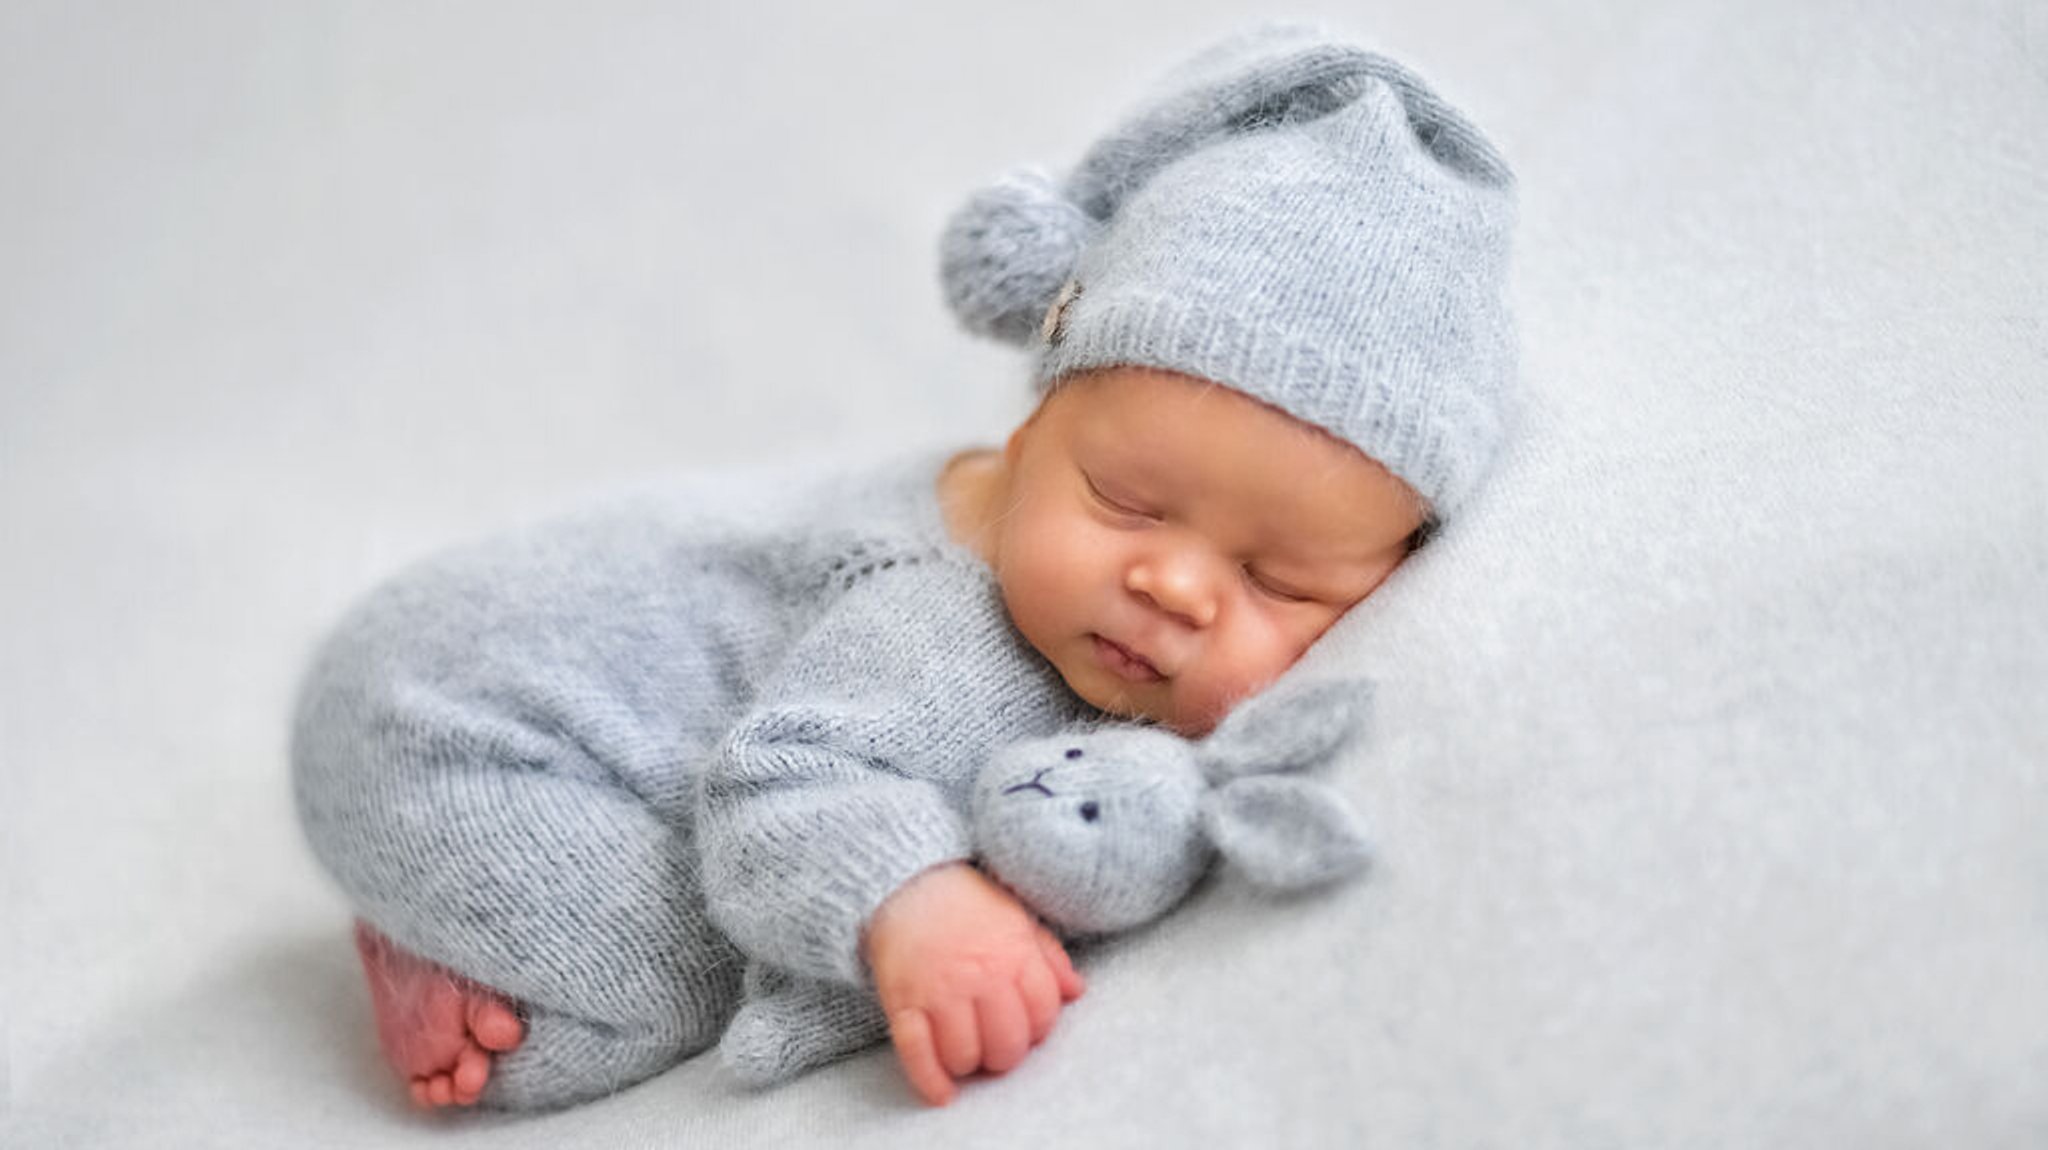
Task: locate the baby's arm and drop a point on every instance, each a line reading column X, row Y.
column 968, row 978
column 803, row 837
column 847, row 779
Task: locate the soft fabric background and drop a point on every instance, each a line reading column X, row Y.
column 1708, row 775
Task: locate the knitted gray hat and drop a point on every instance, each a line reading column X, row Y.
column 1290, row 216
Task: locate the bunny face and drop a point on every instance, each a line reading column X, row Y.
column 1098, row 831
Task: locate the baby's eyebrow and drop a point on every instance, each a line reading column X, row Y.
column 1324, row 572
column 1326, row 549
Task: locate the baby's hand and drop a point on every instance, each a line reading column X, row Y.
column 967, row 977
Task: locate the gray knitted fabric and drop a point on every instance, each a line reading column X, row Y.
column 1103, row 828
column 1295, row 217
column 628, row 766
column 604, row 764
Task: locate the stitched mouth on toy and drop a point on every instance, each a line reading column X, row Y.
column 1033, row 785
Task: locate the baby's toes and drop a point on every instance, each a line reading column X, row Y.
column 440, row 1091
column 472, row 1070
column 494, row 1024
column 419, row 1093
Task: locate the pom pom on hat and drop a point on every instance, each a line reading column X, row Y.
column 1007, row 251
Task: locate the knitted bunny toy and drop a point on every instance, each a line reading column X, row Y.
column 1103, row 829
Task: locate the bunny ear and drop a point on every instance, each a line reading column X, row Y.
column 1288, row 727
column 1284, row 832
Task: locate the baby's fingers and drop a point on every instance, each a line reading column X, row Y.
column 911, row 1031
column 1071, row 984
column 957, row 1036
column 1005, row 1031
column 1041, row 999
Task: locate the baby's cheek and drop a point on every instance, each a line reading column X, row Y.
column 1260, row 656
column 1201, row 704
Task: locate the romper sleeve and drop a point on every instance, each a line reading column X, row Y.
column 850, row 772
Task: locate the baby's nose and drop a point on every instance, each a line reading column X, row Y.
column 1176, row 587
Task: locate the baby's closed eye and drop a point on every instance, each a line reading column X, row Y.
column 1120, row 504
column 1274, row 589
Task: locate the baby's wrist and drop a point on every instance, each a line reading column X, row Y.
column 905, row 904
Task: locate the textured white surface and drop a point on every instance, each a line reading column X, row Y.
column 1708, row 777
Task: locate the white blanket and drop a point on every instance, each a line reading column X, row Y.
column 1707, row 778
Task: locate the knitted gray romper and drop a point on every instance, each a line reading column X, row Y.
column 601, row 764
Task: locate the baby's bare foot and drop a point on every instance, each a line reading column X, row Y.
column 437, row 1028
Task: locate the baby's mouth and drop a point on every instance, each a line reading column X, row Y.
column 1125, row 663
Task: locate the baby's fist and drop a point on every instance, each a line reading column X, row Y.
column 967, row 977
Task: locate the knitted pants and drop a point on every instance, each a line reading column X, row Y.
column 489, row 805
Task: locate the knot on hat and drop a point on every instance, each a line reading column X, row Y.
column 1008, row 250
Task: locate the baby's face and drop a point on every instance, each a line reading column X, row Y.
column 1172, row 546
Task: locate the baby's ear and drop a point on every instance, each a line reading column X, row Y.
column 1287, row 727
column 1284, row 832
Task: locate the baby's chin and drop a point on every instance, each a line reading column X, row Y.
column 1163, row 712
column 1194, row 714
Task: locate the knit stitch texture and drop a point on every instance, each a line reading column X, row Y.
column 1289, row 215
column 603, row 764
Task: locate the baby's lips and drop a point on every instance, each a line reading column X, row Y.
column 1129, row 655
column 1150, row 659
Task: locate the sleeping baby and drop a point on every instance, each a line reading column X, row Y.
column 577, row 780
